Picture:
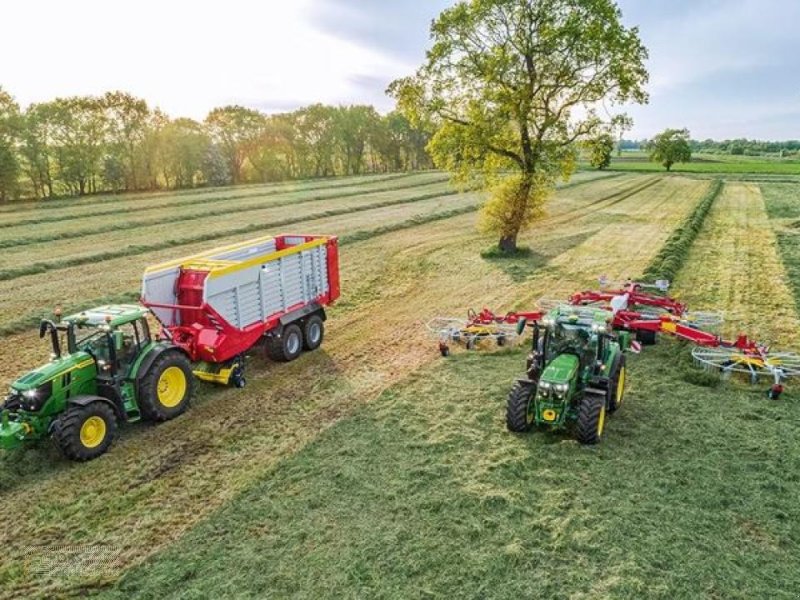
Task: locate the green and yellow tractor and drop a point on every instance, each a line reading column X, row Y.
column 575, row 375
column 105, row 369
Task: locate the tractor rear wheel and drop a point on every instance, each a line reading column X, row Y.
column 167, row 387
column 313, row 332
column 591, row 417
column 616, row 388
column 85, row 432
column 287, row 346
column 520, row 408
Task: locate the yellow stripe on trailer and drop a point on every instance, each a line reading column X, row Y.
column 204, row 255
column 265, row 258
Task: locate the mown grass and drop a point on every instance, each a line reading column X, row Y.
column 210, row 231
column 783, row 208
column 65, row 229
column 87, row 213
column 231, row 190
column 423, row 493
column 674, row 252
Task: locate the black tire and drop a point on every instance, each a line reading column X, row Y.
column 287, row 346
column 444, row 351
column 161, row 399
column 518, row 416
column 615, row 394
column 501, row 340
column 646, row 338
column 313, row 332
column 591, row 417
column 70, row 433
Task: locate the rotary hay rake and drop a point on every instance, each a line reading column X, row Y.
column 645, row 310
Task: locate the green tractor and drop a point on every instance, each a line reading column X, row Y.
column 105, row 369
column 575, row 376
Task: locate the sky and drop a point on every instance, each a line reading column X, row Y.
column 722, row 68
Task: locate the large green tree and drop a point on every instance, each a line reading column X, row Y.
column 669, row 147
column 511, row 86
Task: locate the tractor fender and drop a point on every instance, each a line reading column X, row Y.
column 86, row 400
column 524, row 381
column 151, row 357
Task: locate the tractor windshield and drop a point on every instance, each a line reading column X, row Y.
column 96, row 343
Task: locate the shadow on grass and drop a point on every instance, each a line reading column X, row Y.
column 523, row 264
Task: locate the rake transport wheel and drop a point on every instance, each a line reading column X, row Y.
column 313, row 332
column 520, row 407
column 167, row 388
column 616, row 389
column 85, row 432
column 287, row 346
column 591, row 417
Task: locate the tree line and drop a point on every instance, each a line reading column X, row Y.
column 116, row 142
column 736, row 147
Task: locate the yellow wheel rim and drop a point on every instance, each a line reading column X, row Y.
column 601, row 422
column 171, row 387
column 93, row 432
column 621, row 385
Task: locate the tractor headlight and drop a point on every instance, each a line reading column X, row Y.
column 34, row 399
column 561, row 387
column 548, row 322
column 543, row 389
column 599, row 328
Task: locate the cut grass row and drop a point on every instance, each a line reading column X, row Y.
column 783, row 210
column 86, row 213
column 258, row 188
column 673, row 254
column 84, row 250
column 104, row 232
column 129, row 497
column 736, row 269
column 424, row 492
column 62, row 228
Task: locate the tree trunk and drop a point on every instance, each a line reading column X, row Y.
column 508, row 244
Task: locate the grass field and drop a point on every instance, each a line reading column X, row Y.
column 372, row 468
column 711, row 164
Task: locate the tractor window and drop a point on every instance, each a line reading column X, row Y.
column 143, row 332
column 126, row 339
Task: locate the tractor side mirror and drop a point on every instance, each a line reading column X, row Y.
column 521, row 325
column 42, row 329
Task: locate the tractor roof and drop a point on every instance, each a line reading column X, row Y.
column 111, row 314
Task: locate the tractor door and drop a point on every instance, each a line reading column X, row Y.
column 129, row 341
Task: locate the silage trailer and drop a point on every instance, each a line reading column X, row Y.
column 107, row 368
column 218, row 305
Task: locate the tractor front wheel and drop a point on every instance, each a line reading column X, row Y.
column 520, row 408
column 167, row 388
column 85, row 432
column 591, row 417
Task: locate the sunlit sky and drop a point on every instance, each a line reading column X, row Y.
column 723, row 68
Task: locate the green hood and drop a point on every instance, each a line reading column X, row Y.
column 52, row 370
column 562, row 369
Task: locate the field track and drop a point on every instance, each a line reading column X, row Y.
column 159, row 481
column 734, row 266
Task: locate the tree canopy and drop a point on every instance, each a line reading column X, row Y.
column 510, row 86
column 116, row 142
column 670, row 146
